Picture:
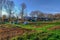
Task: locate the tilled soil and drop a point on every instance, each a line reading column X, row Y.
column 54, row 28
column 7, row 33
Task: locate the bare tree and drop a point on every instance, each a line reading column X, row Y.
column 23, row 5
column 57, row 16
column 9, row 7
column 2, row 4
column 36, row 14
column 50, row 15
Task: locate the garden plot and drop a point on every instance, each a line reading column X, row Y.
column 7, row 33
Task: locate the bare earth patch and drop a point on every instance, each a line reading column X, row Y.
column 54, row 28
column 7, row 33
column 39, row 26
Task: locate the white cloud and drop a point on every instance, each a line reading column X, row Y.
column 4, row 13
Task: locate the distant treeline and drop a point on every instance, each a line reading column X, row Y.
column 9, row 6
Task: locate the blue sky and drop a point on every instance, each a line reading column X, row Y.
column 46, row 6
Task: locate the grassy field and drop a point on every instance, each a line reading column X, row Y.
column 43, row 31
column 39, row 30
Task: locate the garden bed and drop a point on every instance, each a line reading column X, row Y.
column 7, row 33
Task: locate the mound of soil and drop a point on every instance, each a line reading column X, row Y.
column 7, row 33
column 54, row 28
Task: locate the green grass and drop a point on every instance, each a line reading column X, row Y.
column 39, row 36
column 45, row 35
column 44, row 28
column 33, row 28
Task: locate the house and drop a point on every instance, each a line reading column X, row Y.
column 30, row 18
column 45, row 19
